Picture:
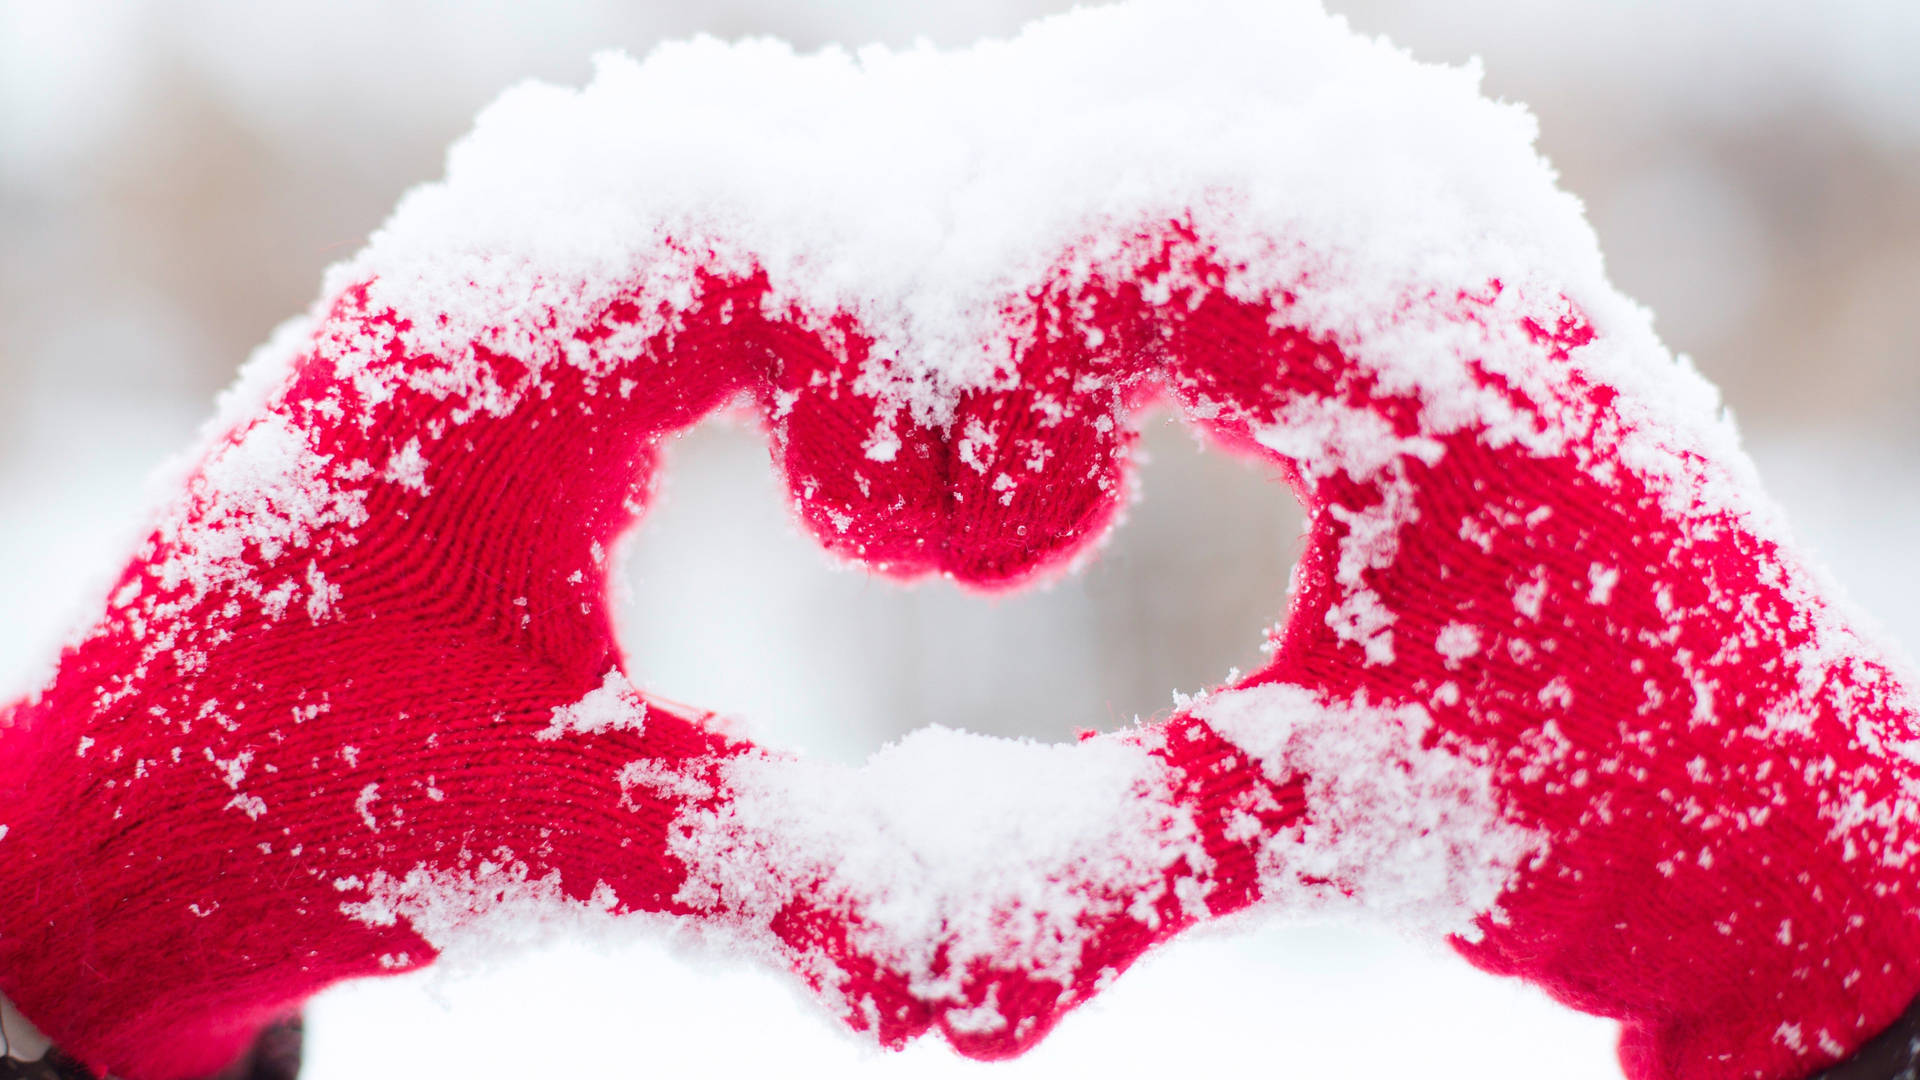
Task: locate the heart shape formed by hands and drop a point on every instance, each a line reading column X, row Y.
column 1551, row 682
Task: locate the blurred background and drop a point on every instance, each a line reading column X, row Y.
column 174, row 176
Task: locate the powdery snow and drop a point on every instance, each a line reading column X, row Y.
column 947, row 848
column 614, row 704
column 258, row 494
column 1396, row 830
column 919, row 189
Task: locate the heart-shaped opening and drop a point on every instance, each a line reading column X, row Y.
column 729, row 604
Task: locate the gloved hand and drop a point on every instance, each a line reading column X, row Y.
column 1553, row 668
column 359, row 688
column 351, row 657
column 1554, row 681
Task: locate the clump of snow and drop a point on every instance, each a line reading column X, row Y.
column 1326, row 435
column 1456, row 642
column 663, row 781
column 613, row 705
column 1394, row 829
column 446, row 906
column 408, row 468
column 947, row 849
column 363, row 805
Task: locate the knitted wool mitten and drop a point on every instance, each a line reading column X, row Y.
column 1552, row 681
column 360, row 687
column 1539, row 631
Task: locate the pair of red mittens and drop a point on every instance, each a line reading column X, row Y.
column 1550, row 682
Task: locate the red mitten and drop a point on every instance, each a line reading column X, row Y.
column 1552, row 667
column 1553, row 681
column 359, row 689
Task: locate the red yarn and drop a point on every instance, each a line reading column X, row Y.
column 197, row 804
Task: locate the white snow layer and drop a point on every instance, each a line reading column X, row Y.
column 922, row 190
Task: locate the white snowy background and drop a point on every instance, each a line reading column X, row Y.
column 174, row 176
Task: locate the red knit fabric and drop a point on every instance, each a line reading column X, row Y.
column 340, row 656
